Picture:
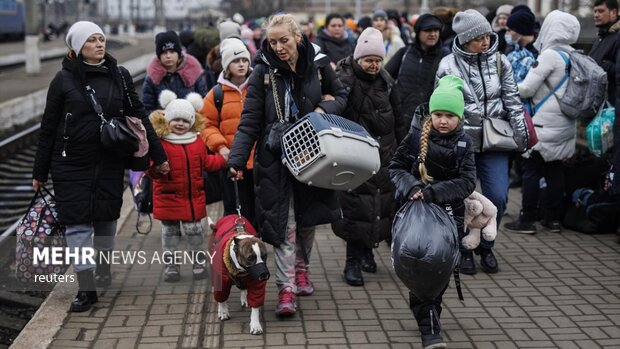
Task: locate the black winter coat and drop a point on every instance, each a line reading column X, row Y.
column 604, row 51
column 335, row 49
column 272, row 181
column 415, row 75
column 453, row 180
column 368, row 210
column 88, row 179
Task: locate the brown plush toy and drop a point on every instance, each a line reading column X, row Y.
column 480, row 218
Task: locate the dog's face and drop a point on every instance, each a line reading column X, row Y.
column 252, row 256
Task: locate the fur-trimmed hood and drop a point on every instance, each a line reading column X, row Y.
column 162, row 127
column 189, row 70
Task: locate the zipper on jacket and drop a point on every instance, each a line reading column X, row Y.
column 189, row 183
column 484, row 86
column 65, row 136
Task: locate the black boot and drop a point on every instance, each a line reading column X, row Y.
column 467, row 264
column 552, row 221
column 427, row 314
column 353, row 267
column 523, row 225
column 353, row 272
column 368, row 261
column 103, row 275
column 87, row 294
column 487, row 260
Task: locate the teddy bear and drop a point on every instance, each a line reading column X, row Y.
column 480, row 218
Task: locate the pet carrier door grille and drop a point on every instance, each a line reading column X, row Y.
column 302, row 146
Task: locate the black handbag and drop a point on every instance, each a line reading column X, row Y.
column 115, row 134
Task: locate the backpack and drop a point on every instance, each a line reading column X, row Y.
column 521, row 61
column 218, row 97
column 586, row 87
column 592, row 212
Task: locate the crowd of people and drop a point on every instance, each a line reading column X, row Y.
column 215, row 98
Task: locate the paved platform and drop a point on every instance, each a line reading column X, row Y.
column 552, row 291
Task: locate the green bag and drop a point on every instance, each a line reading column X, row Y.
column 599, row 132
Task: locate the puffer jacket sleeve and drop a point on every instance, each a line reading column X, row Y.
column 457, row 189
column 393, row 66
column 252, row 119
column 156, row 151
column 331, row 85
column 200, row 86
column 444, row 67
column 400, row 127
column 149, row 95
column 49, row 124
column 513, row 104
column 400, row 171
column 211, row 135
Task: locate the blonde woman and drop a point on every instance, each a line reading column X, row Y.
column 291, row 79
column 436, row 164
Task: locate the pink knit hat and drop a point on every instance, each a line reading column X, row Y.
column 370, row 43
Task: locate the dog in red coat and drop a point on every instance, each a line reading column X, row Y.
column 239, row 259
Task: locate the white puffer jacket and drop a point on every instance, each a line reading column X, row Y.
column 556, row 133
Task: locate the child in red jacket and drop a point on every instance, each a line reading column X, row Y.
column 178, row 197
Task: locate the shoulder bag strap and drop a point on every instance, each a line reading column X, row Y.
column 125, row 89
column 274, row 91
column 92, row 97
column 554, row 90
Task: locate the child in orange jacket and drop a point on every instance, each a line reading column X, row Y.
column 223, row 118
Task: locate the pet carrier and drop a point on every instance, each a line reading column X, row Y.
column 330, row 152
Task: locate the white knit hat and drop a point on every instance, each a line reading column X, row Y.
column 178, row 108
column 231, row 49
column 370, row 43
column 79, row 33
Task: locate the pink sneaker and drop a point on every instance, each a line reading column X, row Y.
column 287, row 305
column 304, row 285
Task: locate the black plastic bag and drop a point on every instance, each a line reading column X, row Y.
column 425, row 248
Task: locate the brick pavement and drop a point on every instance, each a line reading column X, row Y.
column 552, row 291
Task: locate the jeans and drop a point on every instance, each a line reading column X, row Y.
column 80, row 236
column 534, row 169
column 492, row 171
column 293, row 253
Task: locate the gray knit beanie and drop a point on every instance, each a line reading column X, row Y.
column 469, row 25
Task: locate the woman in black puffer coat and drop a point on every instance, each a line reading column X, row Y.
column 368, row 210
column 88, row 179
column 304, row 82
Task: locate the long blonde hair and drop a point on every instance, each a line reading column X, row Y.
column 426, row 131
